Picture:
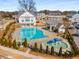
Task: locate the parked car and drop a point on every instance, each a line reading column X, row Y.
column 71, row 27
column 76, row 34
column 77, row 26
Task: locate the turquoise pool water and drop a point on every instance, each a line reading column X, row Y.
column 31, row 33
column 57, row 43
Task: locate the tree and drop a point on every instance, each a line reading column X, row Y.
column 60, row 51
column 66, row 23
column 47, row 49
column 19, row 44
column 5, row 42
column 14, row 44
column 35, row 46
column 2, row 41
column 46, row 12
column 78, row 12
column 40, row 48
column 28, row 5
column 9, row 43
column 25, row 43
column 52, row 51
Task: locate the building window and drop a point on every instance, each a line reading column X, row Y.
column 32, row 20
column 28, row 24
column 27, row 20
column 22, row 20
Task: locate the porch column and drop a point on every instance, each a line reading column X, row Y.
column 50, row 27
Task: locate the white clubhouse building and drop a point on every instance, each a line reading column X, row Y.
column 27, row 19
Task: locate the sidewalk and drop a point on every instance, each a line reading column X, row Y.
column 15, row 54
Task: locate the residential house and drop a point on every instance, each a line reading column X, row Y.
column 75, row 18
column 54, row 20
column 40, row 15
column 55, row 13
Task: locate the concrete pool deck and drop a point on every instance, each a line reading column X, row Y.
column 51, row 35
column 16, row 35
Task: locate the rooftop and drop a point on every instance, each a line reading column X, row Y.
column 27, row 14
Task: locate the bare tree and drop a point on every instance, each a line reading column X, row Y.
column 28, row 5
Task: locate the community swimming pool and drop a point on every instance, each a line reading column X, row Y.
column 31, row 33
column 57, row 43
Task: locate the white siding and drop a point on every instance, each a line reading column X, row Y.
column 54, row 20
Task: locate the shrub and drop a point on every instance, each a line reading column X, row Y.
column 67, row 54
column 55, row 30
column 74, row 52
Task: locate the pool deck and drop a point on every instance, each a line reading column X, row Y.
column 16, row 35
column 51, row 35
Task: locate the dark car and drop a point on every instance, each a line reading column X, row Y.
column 76, row 34
column 77, row 26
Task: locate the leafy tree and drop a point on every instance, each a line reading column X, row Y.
column 25, row 43
column 47, row 49
column 35, row 46
column 2, row 41
column 9, row 43
column 60, row 51
column 14, row 44
column 52, row 51
column 19, row 44
column 5, row 42
column 78, row 12
column 40, row 48
column 46, row 12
